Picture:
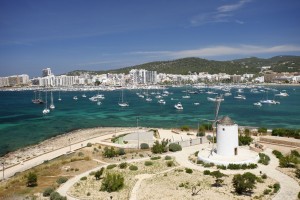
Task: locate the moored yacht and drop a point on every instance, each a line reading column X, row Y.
column 282, row 94
column 257, row 104
column 161, row 101
column 178, row 106
column 239, row 96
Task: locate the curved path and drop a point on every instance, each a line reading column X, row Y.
column 289, row 187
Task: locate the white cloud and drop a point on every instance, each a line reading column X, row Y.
column 214, row 51
column 232, row 7
column 222, row 14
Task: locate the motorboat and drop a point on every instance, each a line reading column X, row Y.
column 257, row 104
column 84, row 96
column 161, row 101
column 75, row 98
column 268, row 101
column 178, row 106
column 240, row 97
column 148, row 99
column 196, row 103
column 215, row 99
column 282, row 94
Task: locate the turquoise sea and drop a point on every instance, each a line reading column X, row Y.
column 22, row 122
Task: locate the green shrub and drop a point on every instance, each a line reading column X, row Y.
column 185, row 128
column 48, row 191
column 89, row 144
column 244, row 183
column 200, row 162
column 188, row 170
column 123, row 165
column 245, row 140
column 31, row 179
column 61, row 180
column 263, row 159
column 267, row 191
column 57, row 196
column 298, row 195
column 295, row 153
column 174, row 147
column 111, row 166
column 262, row 130
column 99, row 173
column 155, row 158
column 80, row 154
column 121, row 151
column 206, row 172
column 170, row 163
column 112, row 182
column 148, row 163
column 144, row 146
column 109, row 152
column 83, row 178
column 168, row 158
column 278, row 154
column 196, row 153
column 88, row 194
column 160, row 147
column 92, row 173
column 264, row 176
column 276, row 187
column 133, row 168
column 221, row 167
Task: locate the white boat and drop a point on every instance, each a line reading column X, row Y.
column 178, row 106
column 52, row 104
column 97, row 97
column 161, row 101
column 46, row 109
column 268, row 101
column 59, row 99
column 148, row 99
column 282, row 94
column 196, row 103
column 84, row 96
column 37, row 100
column 75, row 98
column 215, row 99
column 257, row 104
column 122, row 103
column 186, row 97
column 240, row 97
column 99, row 103
column 227, row 94
column 158, row 96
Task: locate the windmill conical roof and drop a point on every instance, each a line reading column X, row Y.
column 226, row 121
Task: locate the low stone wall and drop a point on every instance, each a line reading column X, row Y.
column 191, row 142
column 280, row 142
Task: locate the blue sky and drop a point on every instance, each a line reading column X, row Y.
column 98, row 35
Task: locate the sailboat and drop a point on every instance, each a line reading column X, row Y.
column 46, row 110
column 269, row 101
column 59, row 99
column 52, row 104
column 37, row 100
column 186, row 96
column 122, row 103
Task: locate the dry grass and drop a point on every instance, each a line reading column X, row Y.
column 166, row 186
column 47, row 174
column 82, row 188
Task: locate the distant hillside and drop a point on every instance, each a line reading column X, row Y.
column 186, row 65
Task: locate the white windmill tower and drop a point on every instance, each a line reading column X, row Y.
column 227, row 134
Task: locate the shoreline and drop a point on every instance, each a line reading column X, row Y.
column 57, row 142
column 112, row 88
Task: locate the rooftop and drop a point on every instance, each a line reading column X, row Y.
column 226, row 121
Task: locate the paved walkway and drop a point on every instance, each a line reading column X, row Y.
column 289, row 188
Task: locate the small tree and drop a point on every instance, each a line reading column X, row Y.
column 218, row 175
column 31, row 180
column 112, row 182
column 244, row 183
column 99, row 173
column 175, row 147
column 109, row 152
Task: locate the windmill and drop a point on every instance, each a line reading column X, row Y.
column 217, row 108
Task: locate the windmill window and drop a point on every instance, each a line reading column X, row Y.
column 223, row 129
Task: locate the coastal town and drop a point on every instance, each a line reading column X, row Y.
column 138, row 77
